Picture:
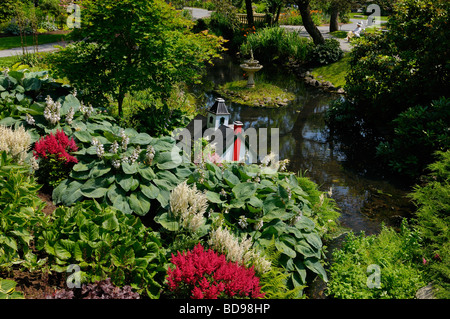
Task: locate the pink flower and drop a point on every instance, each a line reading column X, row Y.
column 209, row 276
column 424, row 261
column 58, row 145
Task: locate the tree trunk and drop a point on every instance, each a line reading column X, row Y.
column 249, row 8
column 278, row 14
column 308, row 23
column 334, row 18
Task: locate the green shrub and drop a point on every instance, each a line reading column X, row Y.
column 397, row 255
column 326, row 53
column 20, row 212
column 419, row 132
column 393, row 72
column 125, row 169
column 433, row 222
column 276, row 43
column 104, row 243
column 127, row 176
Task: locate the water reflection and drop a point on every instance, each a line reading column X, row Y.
column 304, row 140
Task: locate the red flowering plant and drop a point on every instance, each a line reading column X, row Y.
column 55, row 162
column 204, row 274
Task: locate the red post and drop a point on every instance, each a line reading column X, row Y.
column 237, row 141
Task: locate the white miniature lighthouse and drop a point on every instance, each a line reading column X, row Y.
column 218, row 115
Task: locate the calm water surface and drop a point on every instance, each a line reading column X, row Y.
column 365, row 202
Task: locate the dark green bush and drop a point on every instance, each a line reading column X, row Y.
column 420, row 131
column 326, row 53
column 393, row 72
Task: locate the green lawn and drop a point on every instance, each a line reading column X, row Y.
column 362, row 16
column 334, row 72
column 14, row 42
column 263, row 94
column 339, row 34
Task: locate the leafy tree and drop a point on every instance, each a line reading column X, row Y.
column 7, row 9
column 133, row 45
column 393, row 71
column 274, row 7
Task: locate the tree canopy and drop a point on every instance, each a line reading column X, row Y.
column 133, row 45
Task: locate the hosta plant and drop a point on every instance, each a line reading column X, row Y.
column 22, row 92
column 263, row 203
column 125, row 169
column 104, row 243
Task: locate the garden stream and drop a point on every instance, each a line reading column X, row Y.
column 365, row 201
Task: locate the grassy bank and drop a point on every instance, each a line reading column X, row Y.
column 262, row 95
column 15, row 42
column 334, row 72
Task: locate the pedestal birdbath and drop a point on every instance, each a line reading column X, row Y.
column 251, row 67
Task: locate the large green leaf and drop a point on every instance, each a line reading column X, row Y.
column 284, row 248
column 149, row 190
column 305, row 223
column 214, row 197
column 313, row 239
column 127, row 182
column 301, row 270
column 130, row 169
column 231, row 179
column 122, row 256
column 244, row 190
column 121, row 204
column 89, row 232
column 62, row 250
column 99, row 170
column 139, row 203
column 111, row 222
column 147, row 173
column 82, row 251
column 141, row 139
column 314, row 265
column 306, row 250
column 167, row 160
column 95, row 193
column 67, row 192
column 168, row 222
column 83, row 136
column 70, row 101
column 114, row 191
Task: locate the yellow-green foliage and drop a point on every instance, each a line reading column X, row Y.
column 433, row 221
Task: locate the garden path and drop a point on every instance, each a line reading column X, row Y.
column 345, row 46
column 41, row 48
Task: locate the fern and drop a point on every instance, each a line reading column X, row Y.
column 274, row 282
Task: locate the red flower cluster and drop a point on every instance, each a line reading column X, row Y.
column 208, row 276
column 58, row 144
